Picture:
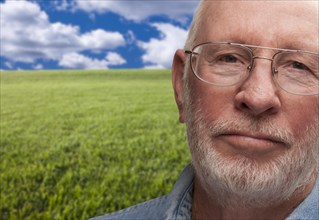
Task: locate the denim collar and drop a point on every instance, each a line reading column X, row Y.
column 181, row 196
column 309, row 208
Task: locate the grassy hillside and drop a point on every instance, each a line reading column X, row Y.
column 76, row 144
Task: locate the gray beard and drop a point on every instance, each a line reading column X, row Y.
column 245, row 182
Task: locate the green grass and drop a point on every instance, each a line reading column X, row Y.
column 76, row 144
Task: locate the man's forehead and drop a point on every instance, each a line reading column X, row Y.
column 246, row 4
column 261, row 18
column 306, row 9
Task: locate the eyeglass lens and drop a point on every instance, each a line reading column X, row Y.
column 223, row 64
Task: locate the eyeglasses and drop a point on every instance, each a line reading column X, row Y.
column 226, row 64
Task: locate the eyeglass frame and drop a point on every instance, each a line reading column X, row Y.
column 253, row 57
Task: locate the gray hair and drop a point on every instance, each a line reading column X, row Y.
column 191, row 37
column 196, row 23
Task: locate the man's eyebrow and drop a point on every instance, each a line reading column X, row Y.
column 293, row 46
column 298, row 45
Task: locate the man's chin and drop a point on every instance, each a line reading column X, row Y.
column 234, row 172
column 244, row 182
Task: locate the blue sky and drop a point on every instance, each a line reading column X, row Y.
column 92, row 34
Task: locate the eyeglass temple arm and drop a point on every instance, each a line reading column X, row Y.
column 190, row 52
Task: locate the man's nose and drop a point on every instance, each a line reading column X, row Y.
column 258, row 93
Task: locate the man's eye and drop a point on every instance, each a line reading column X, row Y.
column 228, row 59
column 299, row 66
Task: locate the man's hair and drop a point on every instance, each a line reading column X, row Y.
column 191, row 37
column 196, row 23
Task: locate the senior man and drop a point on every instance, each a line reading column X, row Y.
column 247, row 87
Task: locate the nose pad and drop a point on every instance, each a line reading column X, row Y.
column 250, row 67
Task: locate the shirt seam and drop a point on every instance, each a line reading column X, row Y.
column 183, row 198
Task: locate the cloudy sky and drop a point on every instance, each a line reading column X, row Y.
column 92, row 34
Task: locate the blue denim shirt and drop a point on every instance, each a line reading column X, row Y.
column 178, row 204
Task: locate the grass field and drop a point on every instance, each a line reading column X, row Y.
column 76, row 144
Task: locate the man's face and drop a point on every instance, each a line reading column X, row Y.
column 253, row 142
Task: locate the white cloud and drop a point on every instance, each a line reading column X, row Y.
column 114, row 59
column 63, row 5
column 79, row 61
column 38, row 67
column 142, row 9
column 154, row 67
column 27, row 35
column 8, row 65
column 130, row 37
column 98, row 39
column 160, row 52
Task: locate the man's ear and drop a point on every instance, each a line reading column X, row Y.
column 178, row 83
